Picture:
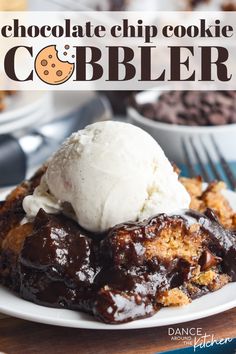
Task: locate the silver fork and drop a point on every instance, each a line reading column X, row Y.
column 207, row 166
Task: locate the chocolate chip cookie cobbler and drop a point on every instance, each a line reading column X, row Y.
column 107, row 227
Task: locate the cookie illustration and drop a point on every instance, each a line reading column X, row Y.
column 50, row 68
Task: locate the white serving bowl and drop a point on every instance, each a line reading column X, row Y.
column 171, row 136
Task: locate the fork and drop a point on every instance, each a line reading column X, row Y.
column 209, row 171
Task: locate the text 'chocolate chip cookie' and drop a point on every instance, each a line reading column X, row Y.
column 50, row 68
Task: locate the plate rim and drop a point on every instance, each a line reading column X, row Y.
column 34, row 116
column 94, row 324
column 7, row 117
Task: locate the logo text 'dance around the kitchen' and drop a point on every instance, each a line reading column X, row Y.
column 117, row 50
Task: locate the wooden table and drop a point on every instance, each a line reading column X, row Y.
column 23, row 337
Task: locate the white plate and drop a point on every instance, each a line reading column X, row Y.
column 21, row 104
column 210, row 304
column 32, row 118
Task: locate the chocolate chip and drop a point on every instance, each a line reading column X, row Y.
column 216, row 119
column 208, row 260
column 117, row 5
column 229, row 7
column 194, row 3
column 193, row 108
column 67, row 46
column 46, row 72
column 44, row 62
column 148, row 110
column 59, row 73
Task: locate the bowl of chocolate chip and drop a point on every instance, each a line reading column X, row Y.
column 172, row 117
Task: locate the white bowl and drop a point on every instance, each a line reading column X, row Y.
column 171, row 136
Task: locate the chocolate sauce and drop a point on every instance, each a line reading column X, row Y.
column 112, row 306
column 120, row 252
column 60, row 265
column 220, row 241
column 57, row 263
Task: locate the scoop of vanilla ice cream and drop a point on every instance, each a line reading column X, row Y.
column 112, row 172
column 41, row 199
